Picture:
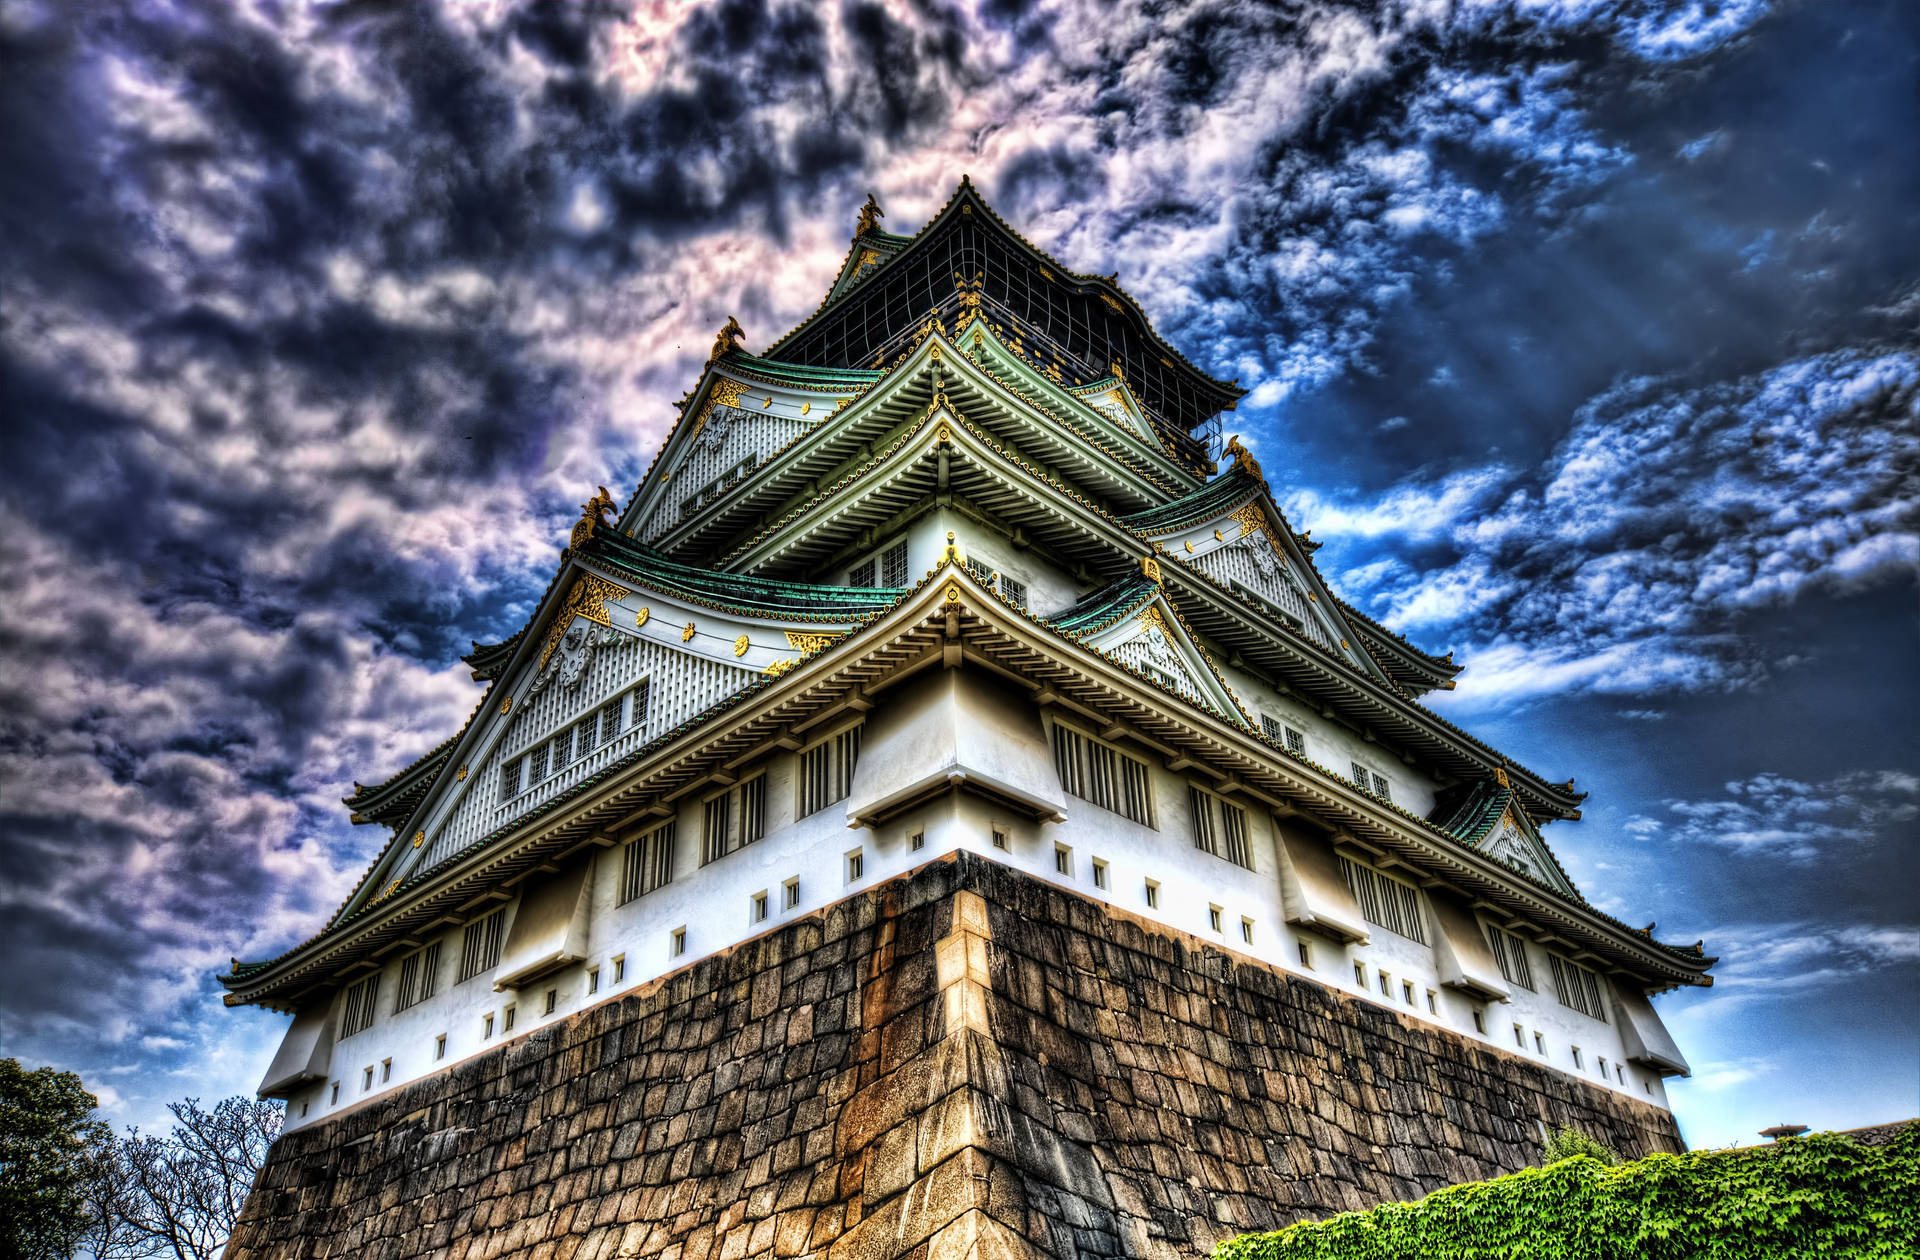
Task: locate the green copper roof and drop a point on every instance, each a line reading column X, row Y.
column 734, row 591
column 1473, row 814
column 1105, row 606
column 799, row 373
column 394, row 800
column 1208, row 502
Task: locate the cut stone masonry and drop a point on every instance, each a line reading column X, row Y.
column 962, row 1062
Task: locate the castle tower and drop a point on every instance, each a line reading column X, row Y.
column 939, row 812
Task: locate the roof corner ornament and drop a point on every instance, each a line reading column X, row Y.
column 1500, row 776
column 1243, row 460
column 593, row 515
column 1150, row 568
column 870, row 216
column 729, row 339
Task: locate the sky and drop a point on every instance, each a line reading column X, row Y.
column 1584, row 334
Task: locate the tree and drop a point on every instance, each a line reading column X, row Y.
column 180, row 1195
column 51, row 1150
column 1566, row 1143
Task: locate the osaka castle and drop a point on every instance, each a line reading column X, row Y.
column 945, row 805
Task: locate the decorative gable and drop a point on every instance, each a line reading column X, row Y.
column 1516, row 841
column 1138, row 628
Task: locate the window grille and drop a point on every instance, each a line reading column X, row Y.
column 861, row 574
column 1385, row 901
column 1280, row 733
column 716, row 829
column 1362, row 777
column 1097, row 772
column 1577, row 987
column 1219, row 827
column 753, row 809
column 979, row 570
column 1015, row 591
column 537, row 764
column 893, row 565
column 1380, row 788
column 1511, row 953
column 358, row 1015
column 563, row 748
column 856, row 865
column 642, row 706
column 1296, row 742
column 480, row 944
column 510, row 780
column 826, row 771
column 419, row 977
column 647, row 863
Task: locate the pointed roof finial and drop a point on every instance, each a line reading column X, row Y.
column 870, row 216
column 729, row 339
column 1243, row 460
column 593, row 515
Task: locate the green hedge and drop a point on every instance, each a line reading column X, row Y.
column 1820, row 1195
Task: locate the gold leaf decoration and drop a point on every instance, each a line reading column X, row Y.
column 687, row 634
column 802, row 641
column 740, row 646
column 588, row 598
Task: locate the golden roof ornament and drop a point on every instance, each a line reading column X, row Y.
column 1243, row 459
column 593, row 515
column 729, row 339
column 870, row 216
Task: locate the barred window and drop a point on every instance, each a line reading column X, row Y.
column 1577, row 987
column 1015, row 591
column 1385, row 901
column 646, row 864
column 1098, row 772
column 1511, row 953
column 563, row 748
column 979, row 570
column 753, row 809
column 604, row 723
column 1296, row 742
column 480, row 944
column 861, row 574
column 1380, row 787
column 419, row 977
column 1362, row 777
column 716, row 829
column 826, row 771
column 1219, row 827
column 510, row 780
column 537, row 764
column 358, row 1015
column 1280, row 733
column 893, row 565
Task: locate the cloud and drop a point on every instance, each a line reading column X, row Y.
column 1774, row 817
column 1625, row 563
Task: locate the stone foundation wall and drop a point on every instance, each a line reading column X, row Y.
column 963, row 1060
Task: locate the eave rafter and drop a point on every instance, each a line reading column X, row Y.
column 949, row 609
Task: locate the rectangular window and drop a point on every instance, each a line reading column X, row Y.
column 1362, row 777
column 646, row 863
column 1306, row 954
column 440, row 1047
column 1577, row 1062
column 1246, row 930
column 480, row 944
column 1213, row 917
column 1062, row 860
column 510, row 780
column 861, row 574
column 1511, row 953
column 1433, row 1003
column 641, row 707
column 1000, row 840
column 759, row 912
column 1360, row 974
column 1603, row 1067
column 716, row 828
column 1386, row 985
column 1577, row 987
column 1406, row 992
column 1219, row 827
column 336, row 1094
column 917, row 841
column 826, row 771
column 1381, row 788
column 1385, row 901
column 1015, row 591
column 506, row 1024
column 486, row 1027
column 1153, row 895
column 677, row 943
column 1280, row 733
column 790, row 894
column 562, row 748
column 1619, row 1074
column 893, row 565
column 366, row 1082
column 537, row 764
column 753, row 809
column 1098, row 772
column 1479, row 1021
column 980, row 571
column 856, row 865
column 1296, row 743
column 1099, row 873
column 419, row 974
column 619, row 968
column 553, row 996
column 593, row 980
column 1519, row 1037
column 358, row 1013
column 386, row 1070
column 1539, row 1043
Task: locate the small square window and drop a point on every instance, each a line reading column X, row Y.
column 1386, row 985
column 593, row 980
column 440, row 1047
column 917, row 841
column 1578, row 1062
column 386, row 1070
column 1153, row 895
column 1000, row 839
column 1099, row 873
column 506, row 1024
column 759, row 907
column 790, row 894
column 1213, row 917
column 1603, row 1067
column 1306, row 954
column 1480, row 1022
column 486, row 1026
column 1246, row 930
column 1619, row 1074
column 553, row 996
column 677, row 943
column 619, row 968
column 856, row 865
column 1062, row 860
column 1406, row 992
